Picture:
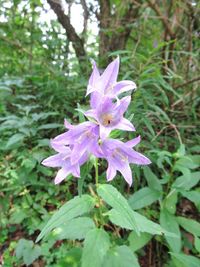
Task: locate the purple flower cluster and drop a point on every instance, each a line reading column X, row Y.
column 92, row 137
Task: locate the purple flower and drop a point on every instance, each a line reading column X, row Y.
column 106, row 84
column 109, row 116
column 91, row 137
column 119, row 155
column 62, row 160
column 82, row 138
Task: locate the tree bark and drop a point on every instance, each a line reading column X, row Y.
column 72, row 36
column 115, row 28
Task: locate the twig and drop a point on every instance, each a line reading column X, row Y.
column 171, row 125
column 187, row 82
column 164, row 19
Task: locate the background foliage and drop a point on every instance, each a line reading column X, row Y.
column 44, row 67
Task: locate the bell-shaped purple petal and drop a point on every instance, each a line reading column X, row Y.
column 133, row 142
column 53, row 161
column 106, row 84
column 123, row 86
column 119, row 155
column 109, row 76
column 61, row 175
column 111, row 172
column 93, row 79
column 109, row 115
column 125, row 125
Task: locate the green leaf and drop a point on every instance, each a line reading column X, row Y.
column 77, row 228
column 186, row 162
column 197, row 243
column 142, row 198
column 96, row 245
column 181, row 151
column 169, row 223
column 72, row 209
column 123, row 215
column 50, row 126
column 111, row 196
column 170, row 201
column 193, row 196
column 120, row 256
column 137, row 242
column 189, row 225
column 187, row 181
column 152, row 180
column 14, row 139
column 186, row 260
column 17, row 216
column 27, row 250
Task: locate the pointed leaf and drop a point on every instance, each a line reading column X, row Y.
column 77, row 228
column 152, row 180
column 111, row 196
column 168, row 222
column 189, row 225
column 137, row 242
column 72, row 209
column 96, row 245
column 186, row 260
column 142, row 198
column 123, row 215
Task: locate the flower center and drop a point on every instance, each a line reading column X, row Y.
column 107, row 119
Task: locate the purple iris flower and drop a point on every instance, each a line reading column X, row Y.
column 109, row 116
column 119, row 155
column 62, row 159
column 106, row 84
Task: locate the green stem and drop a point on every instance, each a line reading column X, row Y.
column 96, row 172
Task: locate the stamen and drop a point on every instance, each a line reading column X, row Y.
column 107, row 119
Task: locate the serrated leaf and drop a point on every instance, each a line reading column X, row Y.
column 120, row 256
column 137, row 242
column 123, row 215
column 27, row 250
column 189, row 225
column 142, row 198
column 75, row 229
column 96, row 245
column 72, row 209
column 168, row 222
column 111, row 196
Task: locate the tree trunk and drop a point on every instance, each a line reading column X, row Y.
column 72, row 36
